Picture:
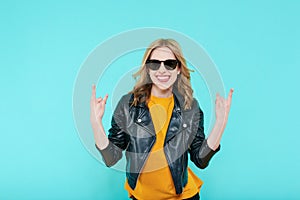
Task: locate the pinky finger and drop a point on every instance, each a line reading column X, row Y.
column 105, row 98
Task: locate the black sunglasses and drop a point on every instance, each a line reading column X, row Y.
column 170, row 64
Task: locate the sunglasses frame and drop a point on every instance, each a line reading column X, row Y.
column 157, row 63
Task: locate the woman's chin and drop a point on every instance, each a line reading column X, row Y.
column 162, row 86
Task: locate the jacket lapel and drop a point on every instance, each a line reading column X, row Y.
column 175, row 122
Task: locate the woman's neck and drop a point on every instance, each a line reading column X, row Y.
column 155, row 91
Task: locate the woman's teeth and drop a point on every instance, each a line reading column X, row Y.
column 163, row 78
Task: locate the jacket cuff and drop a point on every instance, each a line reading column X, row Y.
column 106, row 153
column 206, row 153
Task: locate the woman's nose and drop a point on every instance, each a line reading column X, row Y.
column 162, row 67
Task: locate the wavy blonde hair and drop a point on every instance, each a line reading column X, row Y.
column 142, row 88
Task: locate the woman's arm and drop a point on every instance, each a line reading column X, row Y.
column 201, row 149
column 222, row 112
column 200, row 152
column 110, row 147
column 97, row 106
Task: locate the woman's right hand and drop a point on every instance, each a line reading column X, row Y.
column 97, row 108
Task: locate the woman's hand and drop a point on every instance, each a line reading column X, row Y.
column 97, row 108
column 222, row 112
column 222, row 109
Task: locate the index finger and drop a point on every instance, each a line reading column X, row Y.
column 93, row 96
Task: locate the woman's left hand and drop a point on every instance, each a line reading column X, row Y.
column 222, row 109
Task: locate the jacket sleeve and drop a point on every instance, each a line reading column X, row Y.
column 200, row 152
column 118, row 138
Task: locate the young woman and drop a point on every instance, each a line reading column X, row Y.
column 157, row 124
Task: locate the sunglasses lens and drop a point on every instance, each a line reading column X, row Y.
column 170, row 64
column 153, row 65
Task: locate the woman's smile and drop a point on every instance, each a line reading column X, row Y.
column 163, row 78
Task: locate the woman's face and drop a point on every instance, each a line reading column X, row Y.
column 162, row 78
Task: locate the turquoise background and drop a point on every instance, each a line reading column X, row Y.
column 255, row 45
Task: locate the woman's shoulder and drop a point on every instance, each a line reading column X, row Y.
column 126, row 98
column 196, row 106
column 123, row 104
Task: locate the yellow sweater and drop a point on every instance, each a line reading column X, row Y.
column 155, row 181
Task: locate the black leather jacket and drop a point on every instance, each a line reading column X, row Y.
column 132, row 130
